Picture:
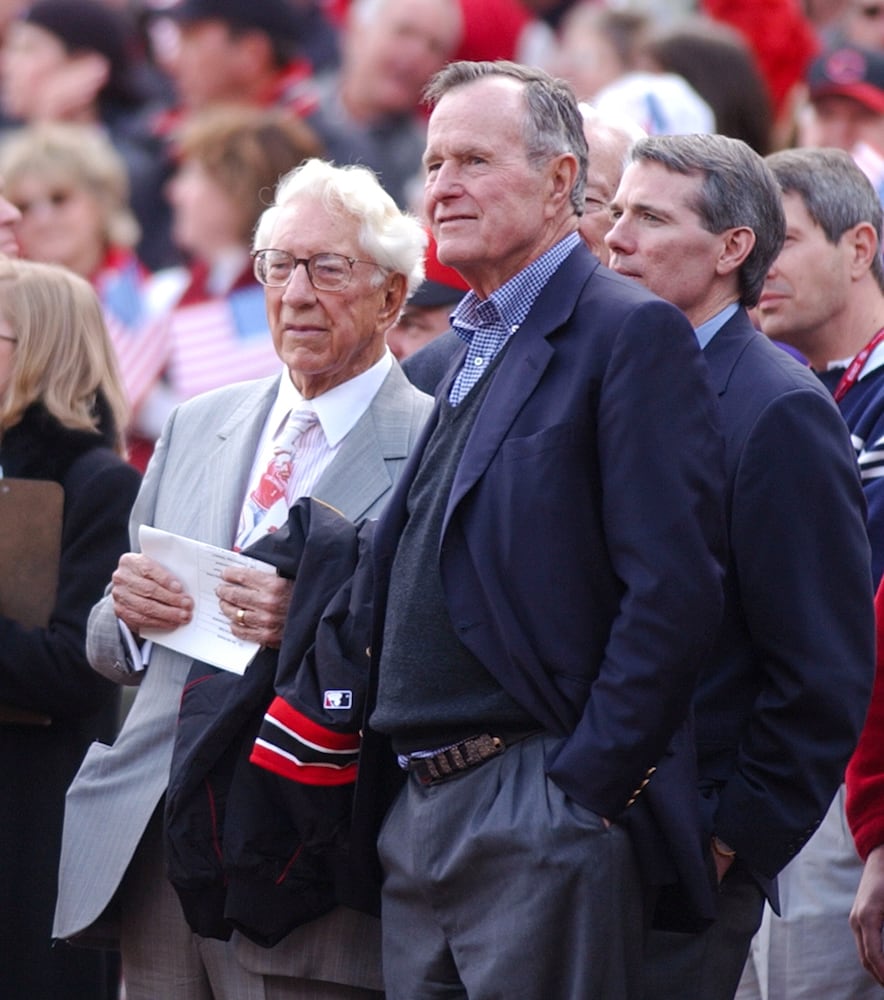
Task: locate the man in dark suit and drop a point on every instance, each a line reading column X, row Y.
column 549, row 582
column 782, row 698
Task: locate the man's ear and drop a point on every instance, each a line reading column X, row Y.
column 738, row 244
column 863, row 242
column 562, row 175
column 395, row 293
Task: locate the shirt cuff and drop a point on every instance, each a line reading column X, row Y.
column 137, row 657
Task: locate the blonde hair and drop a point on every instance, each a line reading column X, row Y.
column 63, row 357
column 79, row 155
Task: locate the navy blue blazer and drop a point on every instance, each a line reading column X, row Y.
column 583, row 546
column 781, row 702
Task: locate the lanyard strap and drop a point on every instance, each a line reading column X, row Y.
column 855, row 368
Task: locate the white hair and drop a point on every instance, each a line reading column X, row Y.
column 623, row 124
column 392, row 238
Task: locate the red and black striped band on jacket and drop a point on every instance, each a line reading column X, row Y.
column 293, row 746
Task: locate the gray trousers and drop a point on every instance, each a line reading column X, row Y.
column 164, row 960
column 499, row 887
column 707, row 966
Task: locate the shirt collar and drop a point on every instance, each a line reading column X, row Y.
column 706, row 331
column 876, row 361
column 341, row 407
column 510, row 304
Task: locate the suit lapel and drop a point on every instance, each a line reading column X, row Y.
column 520, row 369
column 725, row 348
column 229, row 456
column 359, row 474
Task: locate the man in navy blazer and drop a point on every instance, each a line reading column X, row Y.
column 549, row 585
column 782, row 698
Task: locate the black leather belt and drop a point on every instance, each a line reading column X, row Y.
column 447, row 761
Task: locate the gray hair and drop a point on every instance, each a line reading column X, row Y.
column 738, row 189
column 390, row 237
column 553, row 124
column 835, row 192
column 614, row 132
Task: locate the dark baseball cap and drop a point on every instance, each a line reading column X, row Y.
column 90, row 26
column 848, row 71
column 274, row 17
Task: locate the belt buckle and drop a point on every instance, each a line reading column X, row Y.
column 457, row 758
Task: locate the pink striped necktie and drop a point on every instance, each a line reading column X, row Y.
column 266, row 507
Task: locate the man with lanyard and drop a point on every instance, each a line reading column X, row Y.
column 824, row 295
column 782, row 698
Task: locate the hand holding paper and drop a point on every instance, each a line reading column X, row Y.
column 207, row 636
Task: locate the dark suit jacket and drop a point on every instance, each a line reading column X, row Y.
column 781, row 702
column 427, row 367
column 582, row 547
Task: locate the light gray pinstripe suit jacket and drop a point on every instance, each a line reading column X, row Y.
column 194, row 487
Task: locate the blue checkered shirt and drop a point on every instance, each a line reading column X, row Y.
column 487, row 324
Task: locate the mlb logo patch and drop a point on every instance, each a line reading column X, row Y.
column 337, row 699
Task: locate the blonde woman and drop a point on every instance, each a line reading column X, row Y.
column 61, row 414
column 70, row 186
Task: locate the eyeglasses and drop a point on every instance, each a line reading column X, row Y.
column 12, row 340
column 327, row 272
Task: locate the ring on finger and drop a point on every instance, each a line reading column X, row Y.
column 240, row 616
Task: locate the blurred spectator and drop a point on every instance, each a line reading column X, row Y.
column 61, row 417
column 425, row 315
column 846, row 107
column 609, row 140
column 73, row 61
column 784, row 42
column 862, row 23
column 719, row 64
column 661, row 103
column 10, row 217
column 598, row 45
column 504, row 29
column 369, row 110
column 236, row 50
column 229, row 160
column 825, row 15
column 72, row 191
column 10, row 9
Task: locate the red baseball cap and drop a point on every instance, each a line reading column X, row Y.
column 443, row 285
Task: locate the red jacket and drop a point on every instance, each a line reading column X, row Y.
column 865, row 772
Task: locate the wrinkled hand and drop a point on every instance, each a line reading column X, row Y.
column 256, row 604
column 146, row 595
column 867, row 915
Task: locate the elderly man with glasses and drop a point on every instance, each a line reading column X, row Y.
column 337, row 424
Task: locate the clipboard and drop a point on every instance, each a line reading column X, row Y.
column 30, row 549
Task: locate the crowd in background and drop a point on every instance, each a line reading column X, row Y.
column 141, row 140
column 125, row 144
